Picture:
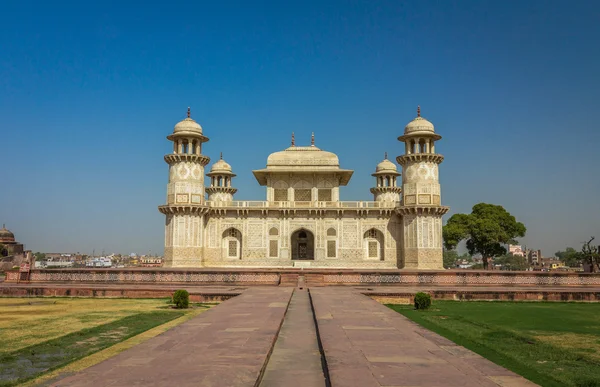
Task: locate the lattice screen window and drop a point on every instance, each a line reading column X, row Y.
column 273, row 248
column 302, row 195
column 373, row 249
column 331, row 247
column 372, row 233
column 325, row 195
column 281, row 195
column 232, row 249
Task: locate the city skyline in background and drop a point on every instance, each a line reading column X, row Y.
column 86, row 104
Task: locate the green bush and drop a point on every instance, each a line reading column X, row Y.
column 181, row 299
column 422, row 300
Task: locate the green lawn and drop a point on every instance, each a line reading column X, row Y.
column 552, row 344
column 38, row 335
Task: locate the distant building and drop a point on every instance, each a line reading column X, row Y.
column 60, row 257
column 464, row 264
column 10, row 245
column 551, row 263
column 12, row 253
column 534, row 257
column 98, row 262
column 151, row 262
column 516, row 250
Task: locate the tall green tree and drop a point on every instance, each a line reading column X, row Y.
column 486, row 230
column 513, row 262
column 450, row 258
column 591, row 255
column 570, row 257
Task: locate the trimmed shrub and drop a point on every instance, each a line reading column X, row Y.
column 181, row 299
column 422, row 300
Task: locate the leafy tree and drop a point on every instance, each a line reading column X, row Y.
column 39, row 256
column 513, row 262
column 591, row 255
column 570, row 257
column 450, row 258
column 3, row 250
column 486, row 229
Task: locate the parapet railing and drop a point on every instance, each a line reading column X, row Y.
column 302, row 204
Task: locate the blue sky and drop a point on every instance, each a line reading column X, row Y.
column 88, row 93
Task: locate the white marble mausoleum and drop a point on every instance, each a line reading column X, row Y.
column 302, row 222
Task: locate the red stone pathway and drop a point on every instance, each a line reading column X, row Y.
column 225, row 346
column 365, row 344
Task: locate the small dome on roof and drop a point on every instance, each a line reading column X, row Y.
column 187, row 126
column 220, row 166
column 386, row 166
column 6, row 235
column 419, row 125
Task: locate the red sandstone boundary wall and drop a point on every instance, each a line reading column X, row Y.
column 312, row 277
column 65, row 291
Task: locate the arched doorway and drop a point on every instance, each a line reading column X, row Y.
column 303, row 245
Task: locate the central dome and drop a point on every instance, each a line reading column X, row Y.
column 298, row 156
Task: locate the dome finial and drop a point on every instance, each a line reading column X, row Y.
column 385, row 156
column 312, row 139
column 418, row 111
column 221, row 155
column 189, row 112
column 293, row 140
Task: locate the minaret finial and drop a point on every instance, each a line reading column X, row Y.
column 418, row 111
column 312, row 139
column 221, row 155
column 293, row 140
column 386, row 155
column 189, row 112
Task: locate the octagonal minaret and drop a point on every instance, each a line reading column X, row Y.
column 185, row 208
column 220, row 189
column 421, row 207
column 386, row 188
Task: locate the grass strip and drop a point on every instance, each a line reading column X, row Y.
column 489, row 332
column 51, row 377
column 24, row 364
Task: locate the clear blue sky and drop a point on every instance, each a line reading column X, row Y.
column 88, row 93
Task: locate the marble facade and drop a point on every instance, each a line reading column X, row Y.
column 303, row 222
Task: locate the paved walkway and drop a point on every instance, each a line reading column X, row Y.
column 224, row 346
column 367, row 344
column 364, row 344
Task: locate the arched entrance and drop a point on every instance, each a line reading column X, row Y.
column 303, row 245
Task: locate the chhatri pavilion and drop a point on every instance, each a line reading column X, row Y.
column 302, row 222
